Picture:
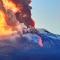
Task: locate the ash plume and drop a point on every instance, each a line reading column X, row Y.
column 13, row 18
column 24, row 16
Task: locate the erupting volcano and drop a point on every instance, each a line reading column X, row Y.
column 19, row 39
column 14, row 13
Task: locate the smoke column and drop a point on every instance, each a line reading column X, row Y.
column 13, row 13
column 24, row 16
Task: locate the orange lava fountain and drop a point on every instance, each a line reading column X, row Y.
column 6, row 19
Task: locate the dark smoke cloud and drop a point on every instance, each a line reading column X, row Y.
column 25, row 15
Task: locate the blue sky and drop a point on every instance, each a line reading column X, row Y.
column 46, row 14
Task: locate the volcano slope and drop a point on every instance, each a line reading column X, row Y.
column 29, row 47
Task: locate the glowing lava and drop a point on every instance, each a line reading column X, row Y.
column 8, row 4
column 6, row 29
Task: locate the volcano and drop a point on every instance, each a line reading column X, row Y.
column 19, row 39
column 28, row 46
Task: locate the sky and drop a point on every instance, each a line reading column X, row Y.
column 46, row 14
